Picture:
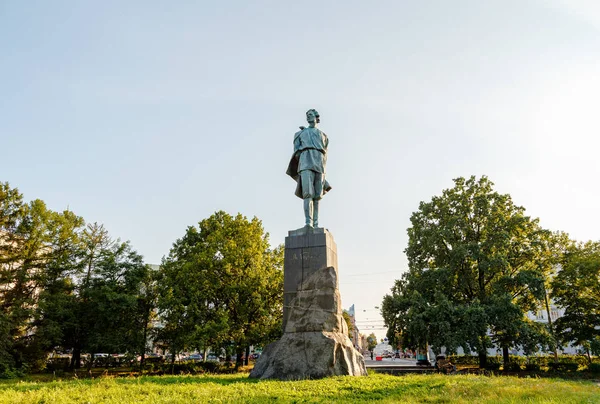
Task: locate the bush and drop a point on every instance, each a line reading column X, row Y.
column 493, row 363
column 194, row 368
column 464, row 359
column 540, row 361
column 492, row 366
column 520, row 360
column 513, row 367
column 594, row 367
column 54, row 364
column 532, row 367
column 8, row 372
column 564, row 366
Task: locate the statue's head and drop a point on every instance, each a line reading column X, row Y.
column 313, row 116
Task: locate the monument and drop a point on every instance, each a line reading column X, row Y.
column 315, row 341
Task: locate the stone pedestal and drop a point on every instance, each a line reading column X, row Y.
column 305, row 253
column 315, row 339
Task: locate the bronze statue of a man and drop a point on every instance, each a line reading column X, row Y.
column 307, row 166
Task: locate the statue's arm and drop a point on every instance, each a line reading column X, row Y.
column 297, row 141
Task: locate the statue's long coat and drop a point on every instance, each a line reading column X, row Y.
column 292, row 171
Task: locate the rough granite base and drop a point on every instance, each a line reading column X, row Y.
column 309, row 355
column 315, row 342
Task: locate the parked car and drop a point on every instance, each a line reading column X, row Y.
column 195, row 357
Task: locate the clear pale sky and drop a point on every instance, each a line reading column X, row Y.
column 149, row 116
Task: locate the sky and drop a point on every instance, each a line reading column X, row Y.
column 149, row 116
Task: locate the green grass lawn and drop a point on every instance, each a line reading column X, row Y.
column 238, row 388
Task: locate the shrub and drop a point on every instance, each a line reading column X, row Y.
column 194, row 368
column 8, row 372
column 594, row 367
column 520, row 360
column 532, row 367
column 564, row 366
column 540, row 361
column 54, row 364
column 464, row 359
column 493, row 363
column 513, row 367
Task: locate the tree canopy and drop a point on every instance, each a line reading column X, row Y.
column 221, row 285
column 476, row 266
column 576, row 288
column 63, row 286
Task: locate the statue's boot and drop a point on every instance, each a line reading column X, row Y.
column 308, row 211
column 315, row 213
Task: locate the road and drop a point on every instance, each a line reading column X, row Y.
column 388, row 362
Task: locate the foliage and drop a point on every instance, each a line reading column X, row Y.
column 513, row 367
column 238, row 388
column 62, row 286
column 576, row 288
column 532, row 367
column 195, row 368
column 221, row 284
column 563, row 366
column 477, row 264
column 371, row 342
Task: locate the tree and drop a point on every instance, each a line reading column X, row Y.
column 576, row 288
column 221, row 284
column 371, row 342
column 12, row 212
column 113, row 300
column 147, row 302
column 63, row 286
column 475, row 269
column 26, row 253
column 56, row 282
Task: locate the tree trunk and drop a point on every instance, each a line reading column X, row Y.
column 247, row 359
column 91, row 363
column 589, row 357
column 482, row 359
column 143, row 352
column 173, row 362
column 204, row 353
column 505, row 356
column 238, row 356
column 75, row 359
column 554, row 344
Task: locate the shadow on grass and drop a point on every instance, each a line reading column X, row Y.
column 59, row 383
column 191, row 379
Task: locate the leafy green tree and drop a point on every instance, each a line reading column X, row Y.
column 56, row 283
column 112, row 297
column 12, row 213
column 371, row 342
column 147, row 301
column 78, row 314
column 221, row 283
column 26, row 256
column 64, row 286
column 576, row 288
column 475, row 269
